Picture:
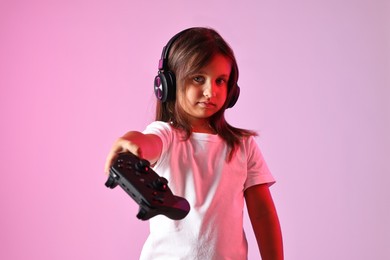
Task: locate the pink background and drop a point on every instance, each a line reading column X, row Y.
column 76, row 74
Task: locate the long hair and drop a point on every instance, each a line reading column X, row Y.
column 189, row 53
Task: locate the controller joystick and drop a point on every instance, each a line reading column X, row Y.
column 142, row 166
column 149, row 190
column 160, row 184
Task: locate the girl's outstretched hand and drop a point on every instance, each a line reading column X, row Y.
column 146, row 146
column 121, row 145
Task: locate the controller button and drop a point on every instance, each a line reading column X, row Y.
column 159, row 199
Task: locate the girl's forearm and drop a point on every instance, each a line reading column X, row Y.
column 269, row 236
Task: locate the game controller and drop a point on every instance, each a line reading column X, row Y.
column 146, row 187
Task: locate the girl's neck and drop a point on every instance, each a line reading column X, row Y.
column 202, row 127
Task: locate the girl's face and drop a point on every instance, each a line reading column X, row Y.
column 205, row 91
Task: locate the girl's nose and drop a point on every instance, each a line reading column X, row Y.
column 209, row 90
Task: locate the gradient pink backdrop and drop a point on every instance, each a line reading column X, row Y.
column 75, row 75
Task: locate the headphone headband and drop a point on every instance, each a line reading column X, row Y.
column 163, row 63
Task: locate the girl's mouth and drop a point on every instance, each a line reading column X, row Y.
column 206, row 104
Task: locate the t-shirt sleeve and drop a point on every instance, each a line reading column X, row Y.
column 257, row 169
column 162, row 130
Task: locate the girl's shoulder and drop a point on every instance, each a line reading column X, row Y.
column 162, row 129
column 159, row 125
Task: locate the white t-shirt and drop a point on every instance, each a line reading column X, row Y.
column 197, row 169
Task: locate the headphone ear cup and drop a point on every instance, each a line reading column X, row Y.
column 165, row 86
column 234, row 97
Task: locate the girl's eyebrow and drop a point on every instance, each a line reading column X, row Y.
column 201, row 72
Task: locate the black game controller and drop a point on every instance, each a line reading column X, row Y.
column 147, row 188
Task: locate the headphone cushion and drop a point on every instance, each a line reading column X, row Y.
column 165, row 86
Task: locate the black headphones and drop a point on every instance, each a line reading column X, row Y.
column 165, row 81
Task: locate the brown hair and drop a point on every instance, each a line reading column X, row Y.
column 191, row 51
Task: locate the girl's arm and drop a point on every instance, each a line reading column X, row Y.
column 146, row 146
column 265, row 222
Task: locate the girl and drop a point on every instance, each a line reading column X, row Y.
column 215, row 166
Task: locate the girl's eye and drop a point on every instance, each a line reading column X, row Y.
column 198, row 79
column 221, row 81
